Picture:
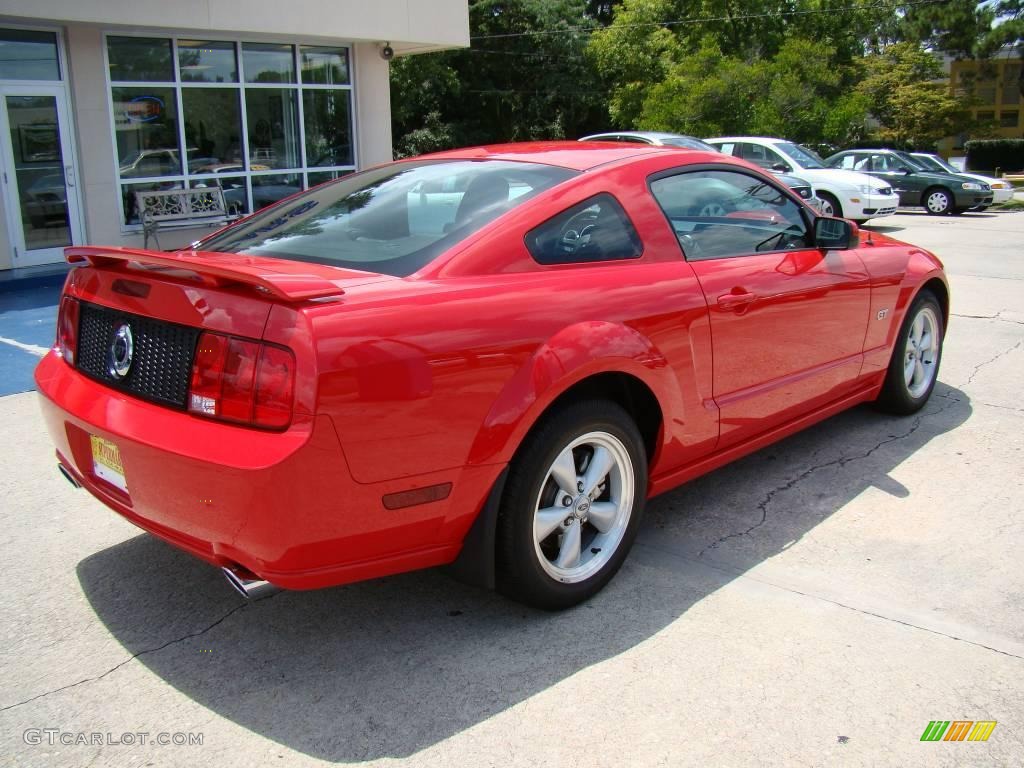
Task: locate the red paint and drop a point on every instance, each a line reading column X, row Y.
column 417, row 383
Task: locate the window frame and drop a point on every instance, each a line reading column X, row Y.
column 580, row 206
column 806, row 214
column 184, row 178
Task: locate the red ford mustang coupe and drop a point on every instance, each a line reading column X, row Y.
column 488, row 358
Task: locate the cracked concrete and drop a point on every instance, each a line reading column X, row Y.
column 816, row 603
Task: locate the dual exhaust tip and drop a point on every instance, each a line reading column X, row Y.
column 246, row 583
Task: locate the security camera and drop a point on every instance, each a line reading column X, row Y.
column 387, row 52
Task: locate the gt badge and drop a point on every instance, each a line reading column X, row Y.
column 121, row 352
column 883, row 313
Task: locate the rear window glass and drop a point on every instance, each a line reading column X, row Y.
column 392, row 220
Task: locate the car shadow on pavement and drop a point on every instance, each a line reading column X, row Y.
column 390, row 667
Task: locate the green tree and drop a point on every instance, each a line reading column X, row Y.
column 906, row 94
column 525, row 77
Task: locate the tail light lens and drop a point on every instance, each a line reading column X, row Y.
column 67, row 329
column 243, row 381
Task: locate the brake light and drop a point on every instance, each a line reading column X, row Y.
column 67, row 329
column 243, row 381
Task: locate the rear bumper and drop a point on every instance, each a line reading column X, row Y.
column 281, row 505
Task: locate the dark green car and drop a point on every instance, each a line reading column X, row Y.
column 937, row 192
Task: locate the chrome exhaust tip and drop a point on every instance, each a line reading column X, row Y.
column 68, row 476
column 249, row 588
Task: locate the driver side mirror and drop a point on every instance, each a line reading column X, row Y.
column 781, row 167
column 907, row 170
column 835, row 234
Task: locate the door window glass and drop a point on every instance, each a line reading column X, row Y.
column 718, row 214
column 39, row 170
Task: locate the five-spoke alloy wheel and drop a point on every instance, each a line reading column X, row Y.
column 572, row 504
column 914, row 365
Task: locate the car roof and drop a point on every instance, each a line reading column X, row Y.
column 641, row 135
column 765, row 139
column 574, row 155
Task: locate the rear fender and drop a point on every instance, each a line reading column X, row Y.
column 572, row 355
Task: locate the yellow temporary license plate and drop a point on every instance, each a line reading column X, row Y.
column 106, row 462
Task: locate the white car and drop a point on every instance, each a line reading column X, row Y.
column 848, row 194
column 1001, row 190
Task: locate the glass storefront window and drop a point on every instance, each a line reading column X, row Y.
column 146, row 127
column 323, row 176
column 204, row 61
column 213, row 128
column 140, row 59
column 270, row 189
column 192, row 112
column 268, row 63
column 322, row 65
column 328, row 133
column 28, row 55
column 272, row 118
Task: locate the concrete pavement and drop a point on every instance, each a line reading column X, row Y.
column 817, row 603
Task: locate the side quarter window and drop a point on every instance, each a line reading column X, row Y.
column 720, row 214
column 596, row 229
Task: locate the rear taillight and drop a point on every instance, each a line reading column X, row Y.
column 244, row 381
column 67, row 329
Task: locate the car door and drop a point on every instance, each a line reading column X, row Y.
column 893, row 171
column 787, row 319
column 762, row 156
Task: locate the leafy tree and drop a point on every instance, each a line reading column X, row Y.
column 906, row 94
column 525, row 77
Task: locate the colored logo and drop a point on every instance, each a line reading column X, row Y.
column 144, row 109
column 958, row 730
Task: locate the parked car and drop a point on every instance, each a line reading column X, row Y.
column 939, row 193
column 334, row 389
column 843, row 193
column 658, row 138
column 1001, row 190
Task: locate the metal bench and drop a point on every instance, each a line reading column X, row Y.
column 179, row 208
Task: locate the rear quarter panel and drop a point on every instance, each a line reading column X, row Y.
column 454, row 366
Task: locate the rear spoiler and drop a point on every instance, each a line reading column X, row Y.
column 234, row 270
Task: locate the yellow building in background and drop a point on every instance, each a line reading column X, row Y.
column 995, row 84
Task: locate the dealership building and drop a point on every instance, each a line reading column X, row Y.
column 101, row 99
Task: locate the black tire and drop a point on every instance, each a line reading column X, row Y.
column 828, row 199
column 521, row 575
column 897, row 396
column 961, row 211
column 937, row 201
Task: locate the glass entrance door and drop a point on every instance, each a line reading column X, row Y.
column 38, row 173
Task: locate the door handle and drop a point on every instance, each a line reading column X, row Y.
column 735, row 300
column 69, row 175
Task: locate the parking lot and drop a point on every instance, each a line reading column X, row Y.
column 817, row 603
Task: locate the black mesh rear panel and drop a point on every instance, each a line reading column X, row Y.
column 161, row 361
